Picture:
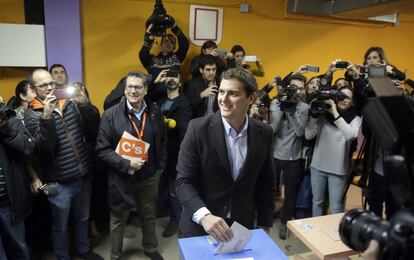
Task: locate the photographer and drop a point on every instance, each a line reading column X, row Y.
column 16, row 146
column 335, row 133
column 209, row 48
column 288, row 129
column 177, row 112
column 167, row 58
column 260, row 108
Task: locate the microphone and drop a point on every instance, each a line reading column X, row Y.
column 49, row 190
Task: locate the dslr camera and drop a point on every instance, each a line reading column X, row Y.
column 159, row 19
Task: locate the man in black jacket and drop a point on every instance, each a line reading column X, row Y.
column 225, row 165
column 177, row 112
column 166, row 59
column 134, row 177
column 59, row 128
column 16, row 146
column 202, row 90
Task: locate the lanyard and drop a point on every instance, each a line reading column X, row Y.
column 144, row 119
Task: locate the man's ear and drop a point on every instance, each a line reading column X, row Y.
column 22, row 97
column 201, row 70
column 252, row 98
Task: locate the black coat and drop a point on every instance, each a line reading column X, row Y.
column 16, row 147
column 63, row 153
column 205, row 179
column 192, row 91
column 181, row 112
column 114, row 122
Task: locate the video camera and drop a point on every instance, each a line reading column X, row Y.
column 319, row 106
column 388, row 115
column 292, row 98
column 159, row 19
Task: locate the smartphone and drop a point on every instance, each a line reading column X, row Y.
column 312, row 68
column 221, row 53
column 64, row 93
column 172, row 73
column 250, row 58
column 341, row 64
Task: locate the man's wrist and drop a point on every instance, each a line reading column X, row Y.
column 202, row 219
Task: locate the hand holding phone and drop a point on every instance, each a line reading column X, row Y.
column 310, row 68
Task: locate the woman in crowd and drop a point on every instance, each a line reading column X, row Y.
column 334, row 133
column 240, row 62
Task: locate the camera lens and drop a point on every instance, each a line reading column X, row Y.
column 358, row 227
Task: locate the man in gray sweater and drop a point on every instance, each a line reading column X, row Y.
column 288, row 129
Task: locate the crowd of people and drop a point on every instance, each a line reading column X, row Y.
column 238, row 147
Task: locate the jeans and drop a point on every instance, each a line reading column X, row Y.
column 145, row 198
column 73, row 197
column 12, row 237
column 292, row 174
column 336, row 188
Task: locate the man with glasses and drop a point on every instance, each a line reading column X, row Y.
column 133, row 172
column 60, row 128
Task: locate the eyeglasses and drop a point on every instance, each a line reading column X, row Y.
column 135, row 87
column 45, row 85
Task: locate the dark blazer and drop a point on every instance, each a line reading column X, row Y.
column 192, row 91
column 205, row 180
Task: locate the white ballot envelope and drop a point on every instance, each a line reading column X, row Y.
column 241, row 236
column 130, row 147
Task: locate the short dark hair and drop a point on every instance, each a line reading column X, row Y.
column 237, row 48
column 207, row 60
column 138, row 74
column 299, row 77
column 209, row 44
column 21, row 88
column 244, row 76
column 377, row 49
column 57, row 66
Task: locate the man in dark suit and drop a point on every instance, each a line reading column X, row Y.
column 225, row 168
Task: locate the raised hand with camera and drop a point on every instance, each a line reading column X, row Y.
column 170, row 21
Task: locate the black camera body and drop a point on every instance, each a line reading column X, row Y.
column 319, row 106
column 159, row 19
column 292, row 99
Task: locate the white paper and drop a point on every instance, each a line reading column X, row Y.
column 241, row 236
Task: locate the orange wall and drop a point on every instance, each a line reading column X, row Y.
column 113, row 34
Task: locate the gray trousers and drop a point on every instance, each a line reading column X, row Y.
column 145, row 197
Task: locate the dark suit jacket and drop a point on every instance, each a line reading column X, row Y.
column 204, row 175
column 192, row 91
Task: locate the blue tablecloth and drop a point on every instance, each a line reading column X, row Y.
column 260, row 247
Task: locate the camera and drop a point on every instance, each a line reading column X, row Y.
column 172, row 73
column 291, row 92
column 395, row 238
column 159, row 19
column 221, row 53
column 341, row 64
column 6, row 112
column 374, row 71
column 310, row 68
column 319, row 107
column 49, row 189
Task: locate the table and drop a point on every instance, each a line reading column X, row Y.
column 320, row 234
column 260, row 247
